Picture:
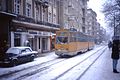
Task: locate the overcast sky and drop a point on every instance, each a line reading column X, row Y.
column 97, row 6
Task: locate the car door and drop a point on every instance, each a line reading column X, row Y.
column 29, row 54
column 22, row 56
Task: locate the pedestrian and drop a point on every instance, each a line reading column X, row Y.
column 27, row 43
column 115, row 55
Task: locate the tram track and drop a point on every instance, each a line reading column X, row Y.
column 54, row 61
column 45, row 71
column 90, row 65
column 43, row 67
column 56, row 78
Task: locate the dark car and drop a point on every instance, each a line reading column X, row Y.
column 16, row 55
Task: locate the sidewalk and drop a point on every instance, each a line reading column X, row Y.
column 45, row 53
column 102, row 69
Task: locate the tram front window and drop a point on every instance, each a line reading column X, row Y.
column 62, row 40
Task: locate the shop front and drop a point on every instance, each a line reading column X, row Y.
column 38, row 40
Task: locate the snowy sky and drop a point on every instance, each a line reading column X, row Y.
column 96, row 5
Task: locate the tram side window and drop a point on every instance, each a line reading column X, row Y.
column 82, row 38
column 78, row 39
column 85, row 38
column 62, row 40
column 91, row 39
column 73, row 39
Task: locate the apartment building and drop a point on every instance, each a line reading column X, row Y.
column 94, row 28
column 74, row 14
column 91, row 22
column 33, row 21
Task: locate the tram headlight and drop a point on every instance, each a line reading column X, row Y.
column 59, row 50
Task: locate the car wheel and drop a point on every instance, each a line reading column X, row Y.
column 14, row 62
column 32, row 58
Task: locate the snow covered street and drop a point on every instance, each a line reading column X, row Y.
column 92, row 65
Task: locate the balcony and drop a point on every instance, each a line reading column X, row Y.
column 31, row 20
column 48, row 24
column 39, row 1
column 24, row 19
column 6, row 14
column 44, row 3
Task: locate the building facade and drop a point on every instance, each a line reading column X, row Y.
column 74, row 14
column 91, row 22
column 94, row 28
column 33, row 21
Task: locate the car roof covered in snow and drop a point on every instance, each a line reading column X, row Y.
column 21, row 47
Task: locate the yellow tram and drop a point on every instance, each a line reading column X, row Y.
column 70, row 43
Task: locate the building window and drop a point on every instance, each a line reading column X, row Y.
column 83, row 28
column 17, row 6
column 55, row 3
column 83, row 20
column 28, row 9
column 50, row 17
column 54, row 18
column 37, row 13
column 17, row 39
column 83, row 12
column 83, row 2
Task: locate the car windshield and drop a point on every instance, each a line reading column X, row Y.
column 13, row 50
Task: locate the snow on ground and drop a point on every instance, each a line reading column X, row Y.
column 39, row 60
column 26, row 65
column 59, row 68
column 102, row 69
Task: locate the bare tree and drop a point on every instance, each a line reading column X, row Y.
column 112, row 12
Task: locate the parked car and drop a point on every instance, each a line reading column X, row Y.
column 16, row 55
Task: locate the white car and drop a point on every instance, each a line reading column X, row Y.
column 16, row 55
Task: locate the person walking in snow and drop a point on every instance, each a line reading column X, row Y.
column 115, row 54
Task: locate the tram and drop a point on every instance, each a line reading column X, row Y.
column 70, row 43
